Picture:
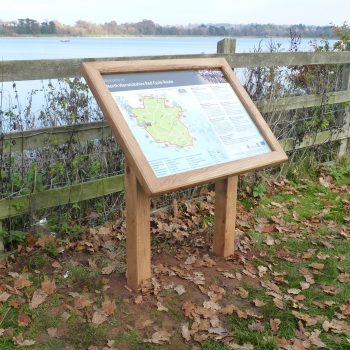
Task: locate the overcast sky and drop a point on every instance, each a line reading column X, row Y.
column 319, row 12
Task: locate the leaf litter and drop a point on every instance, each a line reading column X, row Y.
column 183, row 279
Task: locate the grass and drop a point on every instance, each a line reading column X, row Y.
column 309, row 201
column 80, row 276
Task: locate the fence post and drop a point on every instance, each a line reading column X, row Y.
column 345, row 86
column 226, row 45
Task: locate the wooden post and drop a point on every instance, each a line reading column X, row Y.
column 225, row 216
column 225, row 192
column 138, row 237
column 345, row 86
column 227, row 46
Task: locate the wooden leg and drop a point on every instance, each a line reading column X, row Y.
column 225, row 216
column 138, row 238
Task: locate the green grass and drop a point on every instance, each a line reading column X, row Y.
column 211, row 345
column 242, row 334
column 82, row 335
column 42, row 317
column 310, row 201
column 81, row 276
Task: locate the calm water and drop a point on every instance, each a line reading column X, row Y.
column 60, row 47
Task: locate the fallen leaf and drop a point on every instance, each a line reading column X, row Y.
column 38, row 298
column 245, row 346
column 309, row 279
column 315, row 340
column 230, row 309
column 110, row 343
column 108, row 307
column 140, row 324
column 256, row 326
column 22, row 282
column 82, row 302
column 331, row 290
column 265, row 228
column 215, row 322
column 107, row 270
column 180, row 289
column 344, row 278
column 99, row 317
column 269, row 241
column 18, row 340
column 274, row 324
column 243, row 293
column 310, row 321
column 65, row 316
column 345, row 309
column 278, row 303
column 4, row 296
column 190, row 260
column 211, row 305
column 299, row 297
column 56, row 265
column 228, row 275
column 42, row 241
column 262, row 270
column 308, row 254
column 52, row 332
column 319, row 304
column 48, row 286
column 322, row 256
column 138, row 299
column 317, row 266
column 217, row 330
column 23, row 319
column 304, row 285
column 185, row 332
column 294, row 291
column 15, row 303
column 160, row 337
column 161, row 307
column 258, row 303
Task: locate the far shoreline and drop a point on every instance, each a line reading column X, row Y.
column 29, row 36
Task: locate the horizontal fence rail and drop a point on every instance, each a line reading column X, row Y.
column 63, row 68
column 51, row 69
column 39, row 138
column 60, row 196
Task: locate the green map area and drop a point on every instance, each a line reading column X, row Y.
column 163, row 122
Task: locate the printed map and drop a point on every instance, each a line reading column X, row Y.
column 163, row 121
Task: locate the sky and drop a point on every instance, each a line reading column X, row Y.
column 316, row 12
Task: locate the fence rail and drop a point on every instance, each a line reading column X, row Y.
column 50, row 69
column 54, row 69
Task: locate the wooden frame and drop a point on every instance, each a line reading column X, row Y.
column 93, row 71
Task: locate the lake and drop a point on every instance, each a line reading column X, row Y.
column 32, row 48
column 29, row 48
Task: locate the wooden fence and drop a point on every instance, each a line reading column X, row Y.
column 53, row 69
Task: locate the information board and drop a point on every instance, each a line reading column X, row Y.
column 182, row 122
column 185, row 120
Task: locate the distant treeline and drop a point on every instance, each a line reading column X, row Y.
column 147, row 27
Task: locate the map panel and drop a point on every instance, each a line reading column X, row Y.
column 185, row 120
